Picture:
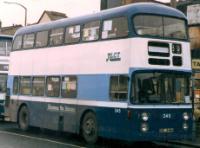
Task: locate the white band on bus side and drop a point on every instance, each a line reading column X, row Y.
column 113, row 104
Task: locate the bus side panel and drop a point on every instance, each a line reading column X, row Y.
column 115, row 123
column 93, row 87
column 112, row 122
column 37, row 114
column 68, row 118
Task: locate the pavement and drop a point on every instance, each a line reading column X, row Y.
column 12, row 137
column 195, row 141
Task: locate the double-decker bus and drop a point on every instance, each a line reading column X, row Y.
column 122, row 73
column 5, row 48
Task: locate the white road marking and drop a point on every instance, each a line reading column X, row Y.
column 41, row 139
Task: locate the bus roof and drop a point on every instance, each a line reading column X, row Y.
column 6, row 36
column 128, row 10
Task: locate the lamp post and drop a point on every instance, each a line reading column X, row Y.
column 25, row 9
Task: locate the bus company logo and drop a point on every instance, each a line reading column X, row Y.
column 113, row 56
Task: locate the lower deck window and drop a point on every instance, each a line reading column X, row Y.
column 25, row 85
column 119, row 87
column 15, row 85
column 69, row 87
column 3, row 80
column 38, row 86
column 53, row 86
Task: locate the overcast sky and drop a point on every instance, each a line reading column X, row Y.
column 13, row 14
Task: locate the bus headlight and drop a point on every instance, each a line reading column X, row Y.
column 144, row 127
column 185, row 126
column 145, row 116
column 185, row 116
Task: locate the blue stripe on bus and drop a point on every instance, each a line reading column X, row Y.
column 98, row 86
column 93, row 86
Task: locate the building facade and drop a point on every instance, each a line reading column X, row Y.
column 47, row 16
column 106, row 4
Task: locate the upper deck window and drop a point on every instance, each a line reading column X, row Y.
column 56, row 36
column 17, row 42
column 72, row 34
column 41, row 39
column 5, row 47
column 91, row 31
column 28, row 40
column 159, row 26
column 115, row 28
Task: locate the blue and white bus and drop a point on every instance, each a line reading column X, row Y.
column 122, row 73
column 5, row 48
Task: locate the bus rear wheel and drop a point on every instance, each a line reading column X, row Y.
column 89, row 128
column 23, row 118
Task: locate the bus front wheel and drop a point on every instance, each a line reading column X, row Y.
column 89, row 128
column 23, row 118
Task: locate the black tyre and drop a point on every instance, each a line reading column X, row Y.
column 23, row 118
column 89, row 128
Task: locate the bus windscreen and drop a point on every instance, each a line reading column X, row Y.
column 161, row 88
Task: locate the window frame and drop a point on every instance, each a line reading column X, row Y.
column 157, row 37
column 34, row 36
column 113, row 38
column 118, row 99
column 99, row 34
column 5, row 86
column 6, row 41
column 17, row 90
column 46, row 87
column 47, row 44
column 80, row 32
column 20, row 86
column 76, row 91
column 20, row 48
column 49, row 36
column 33, row 86
column 133, row 95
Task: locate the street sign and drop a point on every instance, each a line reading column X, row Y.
column 196, row 64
